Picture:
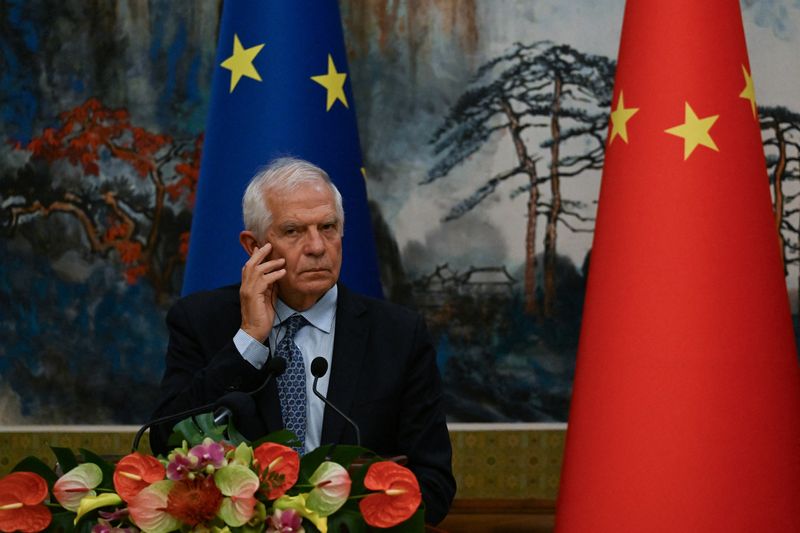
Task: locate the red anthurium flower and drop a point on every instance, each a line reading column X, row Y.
column 135, row 472
column 21, row 507
column 399, row 497
column 278, row 468
column 194, row 501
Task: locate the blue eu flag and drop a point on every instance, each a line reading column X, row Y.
column 281, row 87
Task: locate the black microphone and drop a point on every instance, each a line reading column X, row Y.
column 274, row 367
column 319, row 366
column 228, row 404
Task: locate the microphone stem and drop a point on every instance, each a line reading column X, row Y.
column 329, row 404
column 278, row 366
column 184, row 414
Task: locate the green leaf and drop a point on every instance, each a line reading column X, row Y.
column 311, row 461
column 62, row 522
column 85, row 526
column 106, row 467
column 283, row 436
column 209, row 428
column 359, row 471
column 234, row 437
column 66, row 459
column 308, row 527
column 345, row 454
column 186, row 430
column 347, row 520
column 175, row 439
column 37, row 466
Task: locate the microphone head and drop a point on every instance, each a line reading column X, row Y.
column 276, row 366
column 241, row 408
column 234, row 400
column 319, row 366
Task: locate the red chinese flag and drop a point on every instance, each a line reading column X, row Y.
column 686, row 407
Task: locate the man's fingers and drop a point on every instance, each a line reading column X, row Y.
column 268, row 266
column 259, row 279
column 271, row 277
column 258, row 255
column 260, row 284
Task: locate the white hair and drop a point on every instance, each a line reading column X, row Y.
column 282, row 175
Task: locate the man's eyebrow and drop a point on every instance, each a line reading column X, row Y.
column 290, row 224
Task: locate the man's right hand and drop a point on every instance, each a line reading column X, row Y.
column 259, row 291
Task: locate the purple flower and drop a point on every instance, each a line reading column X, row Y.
column 285, row 521
column 116, row 514
column 180, row 466
column 208, row 453
column 104, row 526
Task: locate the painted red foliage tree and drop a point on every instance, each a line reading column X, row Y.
column 133, row 197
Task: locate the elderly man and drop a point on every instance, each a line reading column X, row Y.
column 383, row 370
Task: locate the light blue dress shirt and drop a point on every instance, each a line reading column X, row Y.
column 314, row 340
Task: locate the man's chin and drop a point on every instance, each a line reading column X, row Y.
column 313, row 275
column 316, row 281
column 305, row 290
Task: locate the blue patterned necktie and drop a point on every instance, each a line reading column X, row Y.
column 292, row 383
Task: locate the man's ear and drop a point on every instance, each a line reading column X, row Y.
column 249, row 241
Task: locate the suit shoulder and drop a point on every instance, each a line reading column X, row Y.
column 207, row 303
column 385, row 309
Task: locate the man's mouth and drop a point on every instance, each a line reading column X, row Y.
column 313, row 270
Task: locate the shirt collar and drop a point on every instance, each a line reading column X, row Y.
column 320, row 315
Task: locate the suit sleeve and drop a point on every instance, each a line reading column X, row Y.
column 198, row 370
column 422, row 431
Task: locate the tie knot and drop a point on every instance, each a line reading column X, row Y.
column 293, row 325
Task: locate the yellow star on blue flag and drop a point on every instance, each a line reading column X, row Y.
column 333, row 82
column 240, row 63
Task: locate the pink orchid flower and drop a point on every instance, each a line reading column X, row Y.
column 209, row 453
column 181, row 466
column 285, row 521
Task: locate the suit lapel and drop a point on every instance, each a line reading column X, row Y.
column 349, row 350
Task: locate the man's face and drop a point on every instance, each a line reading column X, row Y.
column 305, row 231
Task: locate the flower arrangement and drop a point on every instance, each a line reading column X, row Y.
column 210, row 484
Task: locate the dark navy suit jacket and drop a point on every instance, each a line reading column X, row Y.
column 383, row 376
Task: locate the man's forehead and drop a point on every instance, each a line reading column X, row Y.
column 305, row 219
column 303, row 196
column 298, row 215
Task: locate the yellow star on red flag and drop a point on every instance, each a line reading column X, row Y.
column 694, row 131
column 749, row 91
column 619, row 119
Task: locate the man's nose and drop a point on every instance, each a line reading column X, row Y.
column 314, row 244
